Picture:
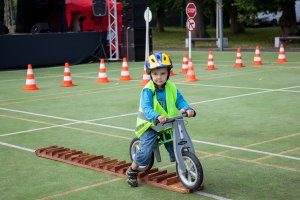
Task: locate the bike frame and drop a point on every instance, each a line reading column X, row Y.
column 181, row 141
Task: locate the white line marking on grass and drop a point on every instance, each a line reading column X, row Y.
column 111, row 117
column 23, row 79
column 17, row 147
column 37, row 114
column 209, row 143
column 211, row 196
column 113, row 79
column 67, row 119
column 78, row 92
column 91, row 77
column 109, row 126
column 242, row 95
column 246, row 149
column 236, row 87
column 230, row 97
column 196, row 141
column 38, row 129
column 223, row 86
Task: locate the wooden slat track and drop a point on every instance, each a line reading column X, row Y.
column 155, row 177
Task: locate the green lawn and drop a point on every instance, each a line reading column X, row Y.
column 246, row 133
column 174, row 37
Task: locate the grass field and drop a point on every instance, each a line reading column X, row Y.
column 174, row 37
column 246, row 133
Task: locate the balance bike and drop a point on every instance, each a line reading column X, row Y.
column 188, row 166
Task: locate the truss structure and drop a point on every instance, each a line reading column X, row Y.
column 113, row 31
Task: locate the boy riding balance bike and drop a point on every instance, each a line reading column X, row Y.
column 158, row 123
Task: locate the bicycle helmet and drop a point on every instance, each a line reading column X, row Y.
column 158, row 60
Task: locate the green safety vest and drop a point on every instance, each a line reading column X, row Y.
column 171, row 96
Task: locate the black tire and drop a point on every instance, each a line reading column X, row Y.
column 274, row 22
column 193, row 178
column 133, row 148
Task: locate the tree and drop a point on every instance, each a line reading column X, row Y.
column 236, row 25
column 287, row 21
column 1, row 11
column 159, row 8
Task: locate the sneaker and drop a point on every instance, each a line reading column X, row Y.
column 132, row 177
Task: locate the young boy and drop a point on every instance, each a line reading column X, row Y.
column 160, row 99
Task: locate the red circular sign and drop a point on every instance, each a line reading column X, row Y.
column 191, row 10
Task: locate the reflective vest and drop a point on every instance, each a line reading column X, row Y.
column 171, row 96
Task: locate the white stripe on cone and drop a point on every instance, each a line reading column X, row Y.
column 124, row 73
column 257, row 59
column 30, row 81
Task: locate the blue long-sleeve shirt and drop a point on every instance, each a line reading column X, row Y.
column 147, row 102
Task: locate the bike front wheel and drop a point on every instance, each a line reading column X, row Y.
column 192, row 177
column 135, row 146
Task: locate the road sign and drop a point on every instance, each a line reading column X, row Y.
column 148, row 15
column 190, row 24
column 191, row 10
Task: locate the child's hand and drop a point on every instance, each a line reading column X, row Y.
column 161, row 119
column 190, row 112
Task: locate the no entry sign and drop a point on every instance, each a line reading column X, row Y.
column 191, row 10
column 190, row 24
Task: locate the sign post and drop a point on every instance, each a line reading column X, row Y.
column 147, row 17
column 191, row 12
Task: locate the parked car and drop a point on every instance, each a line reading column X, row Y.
column 272, row 19
column 267, row 19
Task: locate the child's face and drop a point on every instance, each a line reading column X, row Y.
column 159, row 76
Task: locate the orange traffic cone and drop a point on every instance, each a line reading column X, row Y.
column 30, row 81
column 67, row 77
column 125, row 76
column 281, row 55
column 146, row 77
column 184, row 63
column 172, row 73
column 257, row 59
column 238, row 59
column 210, row 62
column 102, row 76
column 190, row 75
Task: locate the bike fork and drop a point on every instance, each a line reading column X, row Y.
column 157, row 154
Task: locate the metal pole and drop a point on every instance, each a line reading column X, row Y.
column 220, row 4
column 147, row 35
column 190, row 44
column 217, row 20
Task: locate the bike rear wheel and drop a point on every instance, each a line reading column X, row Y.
column 135, row 146
column 192, row 177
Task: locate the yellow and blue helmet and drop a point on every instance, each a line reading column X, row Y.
column 158, row 60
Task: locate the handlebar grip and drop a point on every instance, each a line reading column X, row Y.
column 184, row 114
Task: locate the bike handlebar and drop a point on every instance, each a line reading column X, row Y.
column 170, row 120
